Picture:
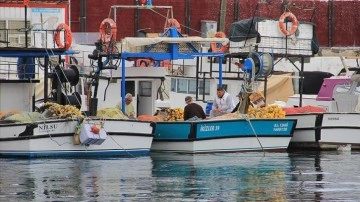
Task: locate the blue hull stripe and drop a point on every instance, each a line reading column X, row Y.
column 84, row 154
column 221, row 129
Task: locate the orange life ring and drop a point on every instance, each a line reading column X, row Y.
column 214, row 46
column 173, row 22
column 282, row 24
column 67, row 36
column 108, row 30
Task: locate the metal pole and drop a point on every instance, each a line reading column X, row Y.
column 188, row 17
column 123, row 85
column 46, row 78
column 301, row 81
column 26, row 31
column 220, row 70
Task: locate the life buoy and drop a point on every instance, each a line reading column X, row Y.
column 67, row 36
column 214, row 46
column 108, row 30
column 282, row 24
column 173, row 22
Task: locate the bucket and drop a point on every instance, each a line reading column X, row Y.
column 209, row 105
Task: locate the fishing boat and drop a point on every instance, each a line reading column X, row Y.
column 234, row 132
column 336, row 125
column 209, row 135
column 27, row 133
column 232, row 135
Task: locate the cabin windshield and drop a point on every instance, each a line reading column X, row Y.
column 357, row 89
column 343, row 88
column 188, row 86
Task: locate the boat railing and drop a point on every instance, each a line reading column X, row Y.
column 30, row 38
column 276, row 45
column 10, row 70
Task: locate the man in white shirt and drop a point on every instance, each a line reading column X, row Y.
column 222, row 104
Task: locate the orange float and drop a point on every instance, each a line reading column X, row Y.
column 214, row 46
column 282, row 24
column 173, row 22
column 108, row 30
column 67, row 36
column 95, row 129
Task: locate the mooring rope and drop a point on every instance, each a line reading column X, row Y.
column 248, row 120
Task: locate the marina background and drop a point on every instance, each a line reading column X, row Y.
column 332, row 18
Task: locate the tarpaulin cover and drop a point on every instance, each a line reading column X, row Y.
column 245, row 29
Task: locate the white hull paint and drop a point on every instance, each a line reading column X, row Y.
column 223, row 145
column 56, row 138
column 328, row 133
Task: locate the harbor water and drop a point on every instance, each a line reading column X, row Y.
column 255, row 176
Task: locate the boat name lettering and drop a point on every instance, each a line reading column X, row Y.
column 280, row 127
column 206, row 128
column 333, row 118
column 47, row 127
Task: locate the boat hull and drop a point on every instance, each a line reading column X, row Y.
column 56, row 139
column 233, row 135
column 325, row 131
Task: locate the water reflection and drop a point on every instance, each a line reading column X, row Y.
column 71, row 179
column 322, row 176
column 228, row 177
column 171, row 177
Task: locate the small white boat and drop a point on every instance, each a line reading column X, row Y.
column 55, row 138
column 338, row 125
column 58, row 136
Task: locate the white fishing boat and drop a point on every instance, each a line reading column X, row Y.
column 26, row 133
column 337, row 125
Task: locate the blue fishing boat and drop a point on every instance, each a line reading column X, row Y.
column 213, row 135
column 231, row 135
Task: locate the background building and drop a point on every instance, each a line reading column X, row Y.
column 335, row 20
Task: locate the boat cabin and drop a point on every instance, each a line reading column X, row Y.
column 336, row 94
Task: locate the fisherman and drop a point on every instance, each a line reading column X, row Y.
column 129, row 107
column 193, row 110
column 223, row 103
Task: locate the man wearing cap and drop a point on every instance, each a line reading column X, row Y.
column 223, row 103
column 192, row 109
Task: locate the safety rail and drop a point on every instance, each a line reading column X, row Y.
column 14, row 70
column 32, row 38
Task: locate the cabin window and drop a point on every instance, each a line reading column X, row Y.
column 182, row 86
column 2, row 30
column 357, row 89
column 192, row 86
column 206, row 87
column 173, row 85
column 343, row 88
column 145, row 88
column 189, row 86
column 15, row 33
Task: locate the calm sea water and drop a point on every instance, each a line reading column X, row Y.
column 324, row 176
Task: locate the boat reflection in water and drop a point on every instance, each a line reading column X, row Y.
column 324, row 176
column 249, row 176
column 221, row 177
